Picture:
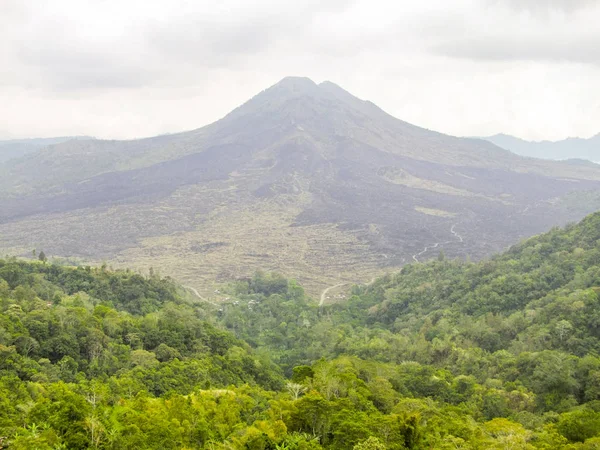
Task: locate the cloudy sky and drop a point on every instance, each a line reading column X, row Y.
column 133, row 68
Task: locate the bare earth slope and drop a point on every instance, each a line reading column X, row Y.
column 304, row 179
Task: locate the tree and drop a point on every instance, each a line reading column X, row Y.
column 370, row 444
column 301, row 373
column 295, row 389
column 563, row 329
column 42, row 257
column 579, row 425
column 506, row 433
column 411, row 430
column 164, row 353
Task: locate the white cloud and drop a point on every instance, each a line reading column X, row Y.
column 128, row 69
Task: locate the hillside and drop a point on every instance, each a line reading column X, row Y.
column 304, row 179
column 566, row 149
column 18, row 148
column 491, row 355
column 515, row 337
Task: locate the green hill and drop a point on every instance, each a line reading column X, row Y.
column 497, row 354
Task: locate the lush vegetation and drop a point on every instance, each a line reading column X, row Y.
column 499, row 354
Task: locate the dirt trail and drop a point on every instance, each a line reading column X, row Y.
column 371, row 281
column 456, row 235
column 425, row 250
column 197, row 294
column 437, row 244
column 415, row 257
column 324, row 293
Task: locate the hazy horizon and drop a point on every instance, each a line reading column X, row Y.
column 470, row 68
column 27, row 137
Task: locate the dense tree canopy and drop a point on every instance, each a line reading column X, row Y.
column 498, row 354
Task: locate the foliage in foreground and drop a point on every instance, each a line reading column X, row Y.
column 499, row 354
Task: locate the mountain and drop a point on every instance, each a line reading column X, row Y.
column 567, row 149
column 304, row 178
column 16, row 148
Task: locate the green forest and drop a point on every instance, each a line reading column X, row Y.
column 498, row 354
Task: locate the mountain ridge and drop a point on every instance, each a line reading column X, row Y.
column 565, row 149
column 303, row 178
column 17, row 148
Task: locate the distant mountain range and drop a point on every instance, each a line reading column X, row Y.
column 16, row 148
column 567, row 149
column 304, row 179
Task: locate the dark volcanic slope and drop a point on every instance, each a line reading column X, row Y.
column 303, row 178
column 146, row 184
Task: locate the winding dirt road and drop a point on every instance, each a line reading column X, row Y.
column 425, row 250
column 437, row 244
column 415, row 257
column 324, row 293
column 197, row 294
column 456, row 235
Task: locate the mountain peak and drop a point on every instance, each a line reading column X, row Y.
column 296, row 80
column 297, row 85
column 289, row 88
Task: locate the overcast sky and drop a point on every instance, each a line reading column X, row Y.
column 134, row 68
